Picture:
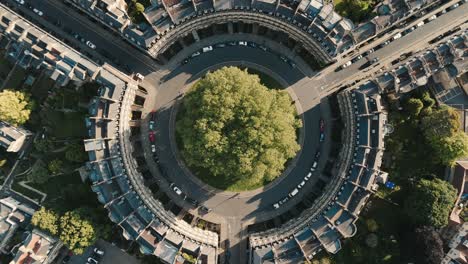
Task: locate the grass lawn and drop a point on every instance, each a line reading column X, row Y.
column 66, row 124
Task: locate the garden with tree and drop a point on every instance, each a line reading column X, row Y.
column 234, row 132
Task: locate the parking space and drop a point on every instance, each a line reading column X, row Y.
column 112, row 255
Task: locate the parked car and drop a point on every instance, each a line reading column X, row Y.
column 185, row 61
column 301, row 184
column 314, row 166
column 192, row 201
column 90, row 44
column 177, row 190
column 152, row 137
column 307, row 177
column 205, row 209
column 243, row 43
column 276, row 205
column 347, row 64
column 322, row 125
column 322, row 137
column 262, row 47
column 220, row 45
column 21, row 2
column 151, row 125
column 92, row 261
column 139, row 76
column 195, row 54
column 66, row 259
column 293, row 192
column 207, row 49
column 98, row 251
column 38, row 12
column 153, row 148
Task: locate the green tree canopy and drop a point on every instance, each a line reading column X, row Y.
column 39, row 173
column 76, row 231
column 76, row 153
column 55, row 166
column 442, row 131
column 414, row 106
column 46, row 220
column 15, row 107
column 431, row 202
column 429, row 248
column 234, row 128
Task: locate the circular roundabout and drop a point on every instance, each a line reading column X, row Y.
column 308, row 203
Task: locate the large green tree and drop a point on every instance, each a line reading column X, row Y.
column 15, row 107
column 431, row 202
column 442, row 131
column 39, row 173
column 76, row 231
column 46, row 220
column 233, row 127
column 76, row 153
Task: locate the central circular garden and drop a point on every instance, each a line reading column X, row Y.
column 235, row 133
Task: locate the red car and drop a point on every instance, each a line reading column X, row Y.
column 322, row 125
column 152, row 137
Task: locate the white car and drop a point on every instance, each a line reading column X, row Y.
column 207, row 49
column 420, row 24
column 314, row 166
column 293, row 192
column 276, row 206
column 90, row 44
column 139, row 76
column 195, row 54
column 92, row 261
column 397, row 36
column 347, row 64
column 307, row 177
column 153, row 148
column 176, row 189
column 37, row 11
column 243, row 43
column 300, row 185
column 98, row 251
column 21, row 2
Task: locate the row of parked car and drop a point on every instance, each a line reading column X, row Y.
column 307, row 177
column 392, row 38
column 236, row 43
